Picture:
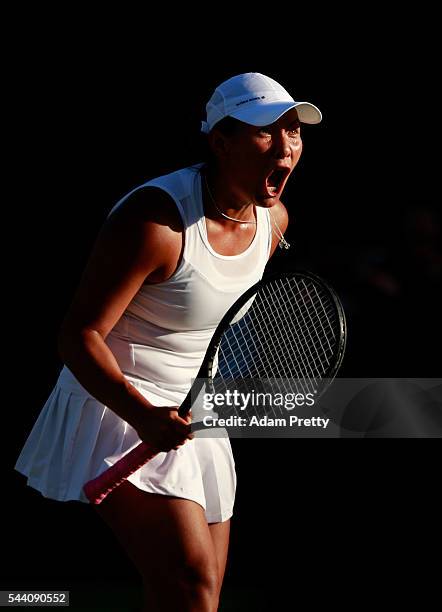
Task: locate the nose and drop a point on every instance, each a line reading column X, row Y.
column 281, row 143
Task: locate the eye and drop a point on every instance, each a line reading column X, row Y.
column 293, row 132
column 265, row 130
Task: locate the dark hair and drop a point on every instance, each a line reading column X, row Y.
column 227, row 126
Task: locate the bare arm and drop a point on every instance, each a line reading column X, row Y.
column 142, row 240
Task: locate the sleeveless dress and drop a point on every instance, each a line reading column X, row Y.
column 159, row 344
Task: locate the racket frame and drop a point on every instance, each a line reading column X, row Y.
column 205, row 373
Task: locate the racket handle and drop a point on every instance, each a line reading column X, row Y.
column 186, row 405
column 98, row 489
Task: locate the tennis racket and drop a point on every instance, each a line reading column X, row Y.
column 289, row 326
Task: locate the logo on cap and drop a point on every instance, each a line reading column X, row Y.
column 250, row 100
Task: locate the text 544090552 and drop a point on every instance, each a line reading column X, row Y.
column 34, row 598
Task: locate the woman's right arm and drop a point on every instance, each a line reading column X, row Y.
column 141, row 240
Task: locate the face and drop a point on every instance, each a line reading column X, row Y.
column 259, row 160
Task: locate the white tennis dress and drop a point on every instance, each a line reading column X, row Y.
column 159, row 343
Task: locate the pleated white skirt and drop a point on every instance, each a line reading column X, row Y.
column 76, row 438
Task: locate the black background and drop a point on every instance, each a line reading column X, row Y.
column 102, row 102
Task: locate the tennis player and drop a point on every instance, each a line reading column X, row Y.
column 171, row 258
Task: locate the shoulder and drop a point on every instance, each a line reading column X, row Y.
column 150, row 206
column 279, row 218
column 280, row 214
column 148, row 228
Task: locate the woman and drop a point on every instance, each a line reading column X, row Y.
column 173, row 255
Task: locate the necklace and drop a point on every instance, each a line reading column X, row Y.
column 283, row 244
column 220, row 211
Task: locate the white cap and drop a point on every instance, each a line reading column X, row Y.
column 255, row 99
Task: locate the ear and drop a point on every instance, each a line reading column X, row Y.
column 219, row 143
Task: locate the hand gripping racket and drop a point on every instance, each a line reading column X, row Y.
column 290, row 325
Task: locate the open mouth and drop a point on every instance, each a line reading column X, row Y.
column 276, row 180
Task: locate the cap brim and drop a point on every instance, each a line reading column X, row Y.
column 266, row 114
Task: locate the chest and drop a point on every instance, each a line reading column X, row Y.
column 230, row 241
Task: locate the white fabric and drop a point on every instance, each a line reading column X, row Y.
column 76, row 438
column 159, row 344
column 165, row 331
column 255, row 99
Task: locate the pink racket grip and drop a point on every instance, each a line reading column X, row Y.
column 98, row 489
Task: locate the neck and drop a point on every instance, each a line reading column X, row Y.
column 225, row 201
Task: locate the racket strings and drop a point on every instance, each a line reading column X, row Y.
column 304, row 364
column 310, row 332
column 278, row 362
column 249, row 361
column 296, row 336
column 294, row 360
column 310, row 316
column 287, row 331
column 330, row 331
column 326, row 311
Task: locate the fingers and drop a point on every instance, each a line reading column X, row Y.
column 185, row 421
column 166, row 430
column 172, row 440
column 187, row 418
column 185, row 429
